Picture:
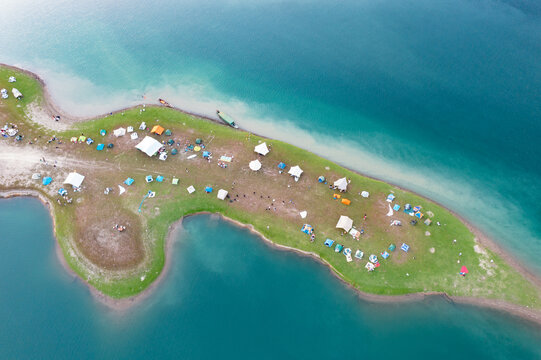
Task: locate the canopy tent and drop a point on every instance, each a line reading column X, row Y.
column 222, row 194
column 157, row 129
column 262, row 149
column 190, row 189
column 344, row 223
column 255, row 165
column 365, row 194
column 149, row 146
column 369, row 266
column 119, row 132
column 295, row 171
column 341, row 184
column 281, row 166
column 74, row 179
column 47, row 180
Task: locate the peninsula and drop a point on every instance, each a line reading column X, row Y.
column 147, row 167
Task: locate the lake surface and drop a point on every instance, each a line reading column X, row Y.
column 441, row 97
column 227, row 295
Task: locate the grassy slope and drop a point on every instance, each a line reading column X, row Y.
column 427, row 271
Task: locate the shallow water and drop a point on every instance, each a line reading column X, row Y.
column 439, row 97
column 227, row 295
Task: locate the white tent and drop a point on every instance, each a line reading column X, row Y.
column 262, row 149
column 74, row 179
column 16, row 93
column 255, row 165
column 129, row 129
column 341, row 184
column 163, row 156
column 365, row 194
column 134, row 136
column 295, row 171
column 344, row 223
column 190, row 189
column 119, row 132
column 121, row 190
column 303, row 214
column 222, row 194
column 149, row 146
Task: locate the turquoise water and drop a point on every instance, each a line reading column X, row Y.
column 228, row 295
column 442, row 97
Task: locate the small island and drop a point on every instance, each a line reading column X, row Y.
column 118, row 184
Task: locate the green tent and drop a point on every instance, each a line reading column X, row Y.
column 392, row 247
column 198, row 141
column 168, row 132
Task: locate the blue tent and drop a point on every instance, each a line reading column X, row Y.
column 62, row 192
column 149, row 178
column 129, row 181
column 385, row 254
column 174, row 152
column 47, row 180
column 208, row 189
column 103, row 132
column 407, row 207
column 321, row 179
column 307, row 229
column 206, row 154
column 100, row 147
column 329, row 242
column 89, row 141
column 405, row 247
column 159, row 178
column 396, row 207
column 281, row 166
column 390, row 197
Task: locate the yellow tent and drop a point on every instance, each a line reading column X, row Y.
column 157, row 129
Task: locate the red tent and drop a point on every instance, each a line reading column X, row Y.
column 464, row 270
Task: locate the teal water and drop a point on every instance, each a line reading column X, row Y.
column 441, row 97
column 228, row 295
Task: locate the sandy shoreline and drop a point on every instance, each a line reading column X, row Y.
column 122, row 304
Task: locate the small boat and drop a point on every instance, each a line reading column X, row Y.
column 164, row 103
column 227, row 119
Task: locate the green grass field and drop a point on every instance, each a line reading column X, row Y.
column 431, row 265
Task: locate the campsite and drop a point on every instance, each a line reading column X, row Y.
column 178, row 165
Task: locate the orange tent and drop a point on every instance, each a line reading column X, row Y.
column 336, row 196
column 157, row 129
column 346, row 201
